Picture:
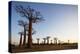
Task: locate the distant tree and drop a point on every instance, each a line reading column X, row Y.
column 68, row 41
column 51, row 41
column 44, row 40
column 38, row 40
column 24, row 25
column 59, row 41
column 55, row 40
column 33, row 16
column 47, row 39
column 20, row 43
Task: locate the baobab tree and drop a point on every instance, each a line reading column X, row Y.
column 47, row 39
column 55, row 40
column 44, row 40
column 33, row 16
column 38, row 40
column 51, row 41
column 68, row 41
column 20, row 43
column 24, row 25
column 59, row 41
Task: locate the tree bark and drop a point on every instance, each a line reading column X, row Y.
column 47, row 41
column 20, row 40
column 37, row 41
column 24, row 41
column 30, row 34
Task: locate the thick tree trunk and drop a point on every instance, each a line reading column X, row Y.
column 47, row 41
column 44, row 41
column 55, row 41
column 37, row 41
column 51, row 41
column 20, row 43
column 30, row 34
column 24, row 40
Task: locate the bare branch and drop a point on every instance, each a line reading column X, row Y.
column 21, row 33
column 22, row 11
column 29, row 13
column 22, row 23
column 33, row 32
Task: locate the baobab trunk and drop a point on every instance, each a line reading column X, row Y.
column 68, row 41
column 44, row 40
column 37, row 41
column 55, row 40
column 59, row 41
column 30, row 34
column 48, row 41
column 24, row 40
column 20, row 44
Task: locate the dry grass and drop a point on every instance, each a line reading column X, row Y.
column 45, row 47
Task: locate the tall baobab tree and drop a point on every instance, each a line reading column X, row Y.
column 20, row 43
column 33, row 16
column 44, row 40
column 51, row 41
column 24, row 25
column 47, row 39
column 59, row 41
column 38, row 40
column 55, row 40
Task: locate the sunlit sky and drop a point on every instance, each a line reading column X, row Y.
column 61, row 21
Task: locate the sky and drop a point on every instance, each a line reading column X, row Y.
column 61, row 21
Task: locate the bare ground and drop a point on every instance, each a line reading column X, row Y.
column 44, row 47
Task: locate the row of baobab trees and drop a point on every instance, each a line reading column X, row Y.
column 31, row 16
column 46, row 41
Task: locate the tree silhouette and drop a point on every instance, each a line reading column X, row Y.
column 24, row 25
column 55, row 40
column 51, row 41
column 44, row 40
column 38, row 40
column 59, row 41
column 20, row 43
column 33, row 16
column 48, row 39
column 68, row 41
